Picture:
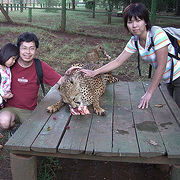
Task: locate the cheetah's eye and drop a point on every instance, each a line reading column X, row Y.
column 71, row 81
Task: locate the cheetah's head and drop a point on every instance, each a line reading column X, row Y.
column 70, row 91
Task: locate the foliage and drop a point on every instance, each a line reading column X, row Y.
column 177, row 8
column 89, row 4
column 49, row 3
column 47, row 168
column 167, row 5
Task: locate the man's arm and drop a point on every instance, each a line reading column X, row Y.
column 61, row 80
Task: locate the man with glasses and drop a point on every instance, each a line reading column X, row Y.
column 24, row 82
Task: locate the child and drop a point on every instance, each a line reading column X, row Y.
column 8, row 55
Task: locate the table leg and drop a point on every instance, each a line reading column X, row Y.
column 175, row 172
column 23, row 167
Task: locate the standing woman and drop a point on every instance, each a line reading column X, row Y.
column 136, row 21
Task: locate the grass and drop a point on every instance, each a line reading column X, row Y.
column 47, row 168
column 60, row 50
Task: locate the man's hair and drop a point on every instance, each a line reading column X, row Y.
column 27, row 37
column 136, row 10
column 7, row 51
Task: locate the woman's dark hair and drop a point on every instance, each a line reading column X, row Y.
column 136, row 10
column 27, row 37
column 7, row 51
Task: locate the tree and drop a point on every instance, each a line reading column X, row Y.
column 153, row 11
column 110, row 9
column 63, row 16
column 170, row 5
column 73, row 4
column 49, row 3
column 5, row 14
column 21, row 6
column 178, row 7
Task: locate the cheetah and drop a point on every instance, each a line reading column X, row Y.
column 78, row 90
column 93, row 55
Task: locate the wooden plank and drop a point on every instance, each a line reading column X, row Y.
column 29, row 130
column 147, row 131
column 75, row 138
column 171, row 103
column 50, row 136
column 124, row 135
column 23, row 167
column 167, row 124
column 100, row 136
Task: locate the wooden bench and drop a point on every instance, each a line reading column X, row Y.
column 125, row 134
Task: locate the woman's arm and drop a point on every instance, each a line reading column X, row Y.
column 110, row 66
column 162, row 55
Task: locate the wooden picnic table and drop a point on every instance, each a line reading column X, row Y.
column 125, row 134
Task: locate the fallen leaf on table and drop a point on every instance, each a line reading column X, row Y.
column 48, row 128
column 158, row 105
column 54, row 118
column 153, row 143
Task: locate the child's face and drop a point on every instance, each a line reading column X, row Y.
column 10, row 61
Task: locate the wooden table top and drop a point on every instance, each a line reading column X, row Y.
column 126, row 133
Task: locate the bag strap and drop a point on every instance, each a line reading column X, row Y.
column 173, row 56
column 172, row 70
column 39, row 73
column 152, row 44
column 138, row 66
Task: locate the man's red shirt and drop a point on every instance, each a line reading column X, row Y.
column 24, row 85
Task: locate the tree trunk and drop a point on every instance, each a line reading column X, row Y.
column 109, row 18
column 63, row 16
column 94, row 7
column 73, row 4
column 178, row 7
column 5, row 14
column 21, row 6
column 153, row 11
column 110, row 4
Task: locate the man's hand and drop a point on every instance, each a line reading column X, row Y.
column 61, row 80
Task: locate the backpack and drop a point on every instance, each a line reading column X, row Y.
column 39, row 73
column 174, row 36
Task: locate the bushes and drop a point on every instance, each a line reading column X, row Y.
column 89, row 4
